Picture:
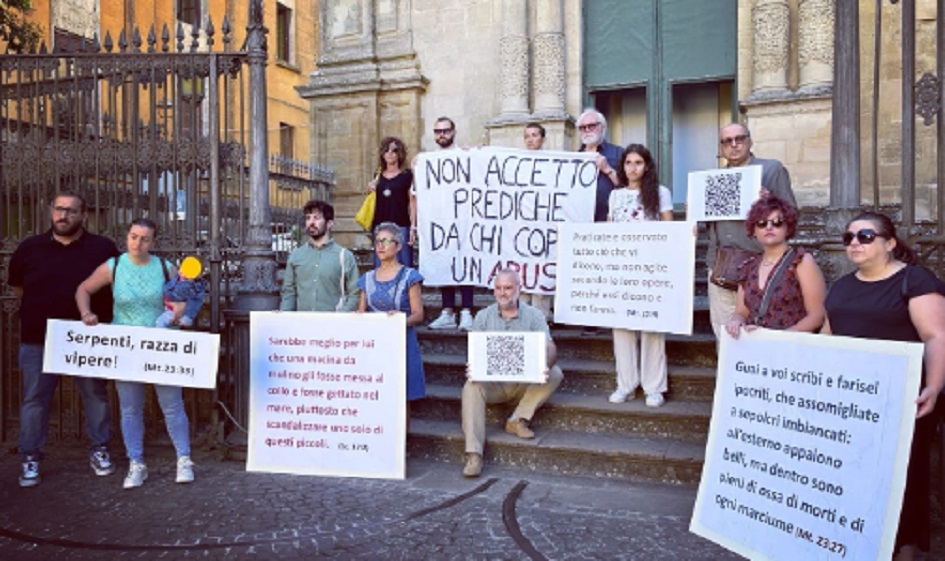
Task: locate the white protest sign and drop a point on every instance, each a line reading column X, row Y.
column 632, row 275
column 508, row 356
column 722, row 194
column 328, row 394
column 808, row 446
column 487, row 209
column 153, row 355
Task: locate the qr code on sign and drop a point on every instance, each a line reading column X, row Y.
column 723, row 194
column 505, row 355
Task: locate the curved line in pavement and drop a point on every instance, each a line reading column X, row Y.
column 72, row 544
column 511, row 523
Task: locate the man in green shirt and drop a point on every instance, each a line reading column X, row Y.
column 320, row 276
column 506, row 314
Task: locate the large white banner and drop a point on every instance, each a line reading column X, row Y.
column 328, row 394
column 808, row 446
column 486, row 209
column 630, row 275
column 722, row 194
column 154, row 355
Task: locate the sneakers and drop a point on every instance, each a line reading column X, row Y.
column 473, row 465
column 185, row 470
column 101, row 462
column 29, row 477
column 654, row 400
column 519, row 427
column 619, row 396
column 447, row 320
column 137, row 474
column 465, row 320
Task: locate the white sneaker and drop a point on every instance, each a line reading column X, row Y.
column 137, row 474
column 619, row 396
column 447, row 320
column 185, row 470
column 465, row 320
column 654, row 400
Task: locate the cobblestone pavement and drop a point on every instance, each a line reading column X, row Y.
column 434, row 514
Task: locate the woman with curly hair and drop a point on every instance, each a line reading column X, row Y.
column 639, row 198
column 396, row 202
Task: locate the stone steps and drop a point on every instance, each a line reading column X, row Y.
column 624, row 456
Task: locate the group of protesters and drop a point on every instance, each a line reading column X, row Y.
column 62, row 273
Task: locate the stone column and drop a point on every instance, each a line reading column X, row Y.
column 514, row 58
column 548, row 58
column 771, row 26
column 815, row 45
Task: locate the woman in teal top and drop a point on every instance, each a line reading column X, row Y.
column 137, row 280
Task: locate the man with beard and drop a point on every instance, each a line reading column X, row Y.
column 320, row 276
column 444, row 131
column 45, row 271
column 507, row 314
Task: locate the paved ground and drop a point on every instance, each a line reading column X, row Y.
column 434, row 514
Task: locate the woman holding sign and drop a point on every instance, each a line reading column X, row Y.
column 393, row 287
column 784, row 288
column 393, row 187
column 137, row 279
column 890, row 297
column 639, row 198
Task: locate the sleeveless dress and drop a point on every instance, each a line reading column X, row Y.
column 787, row 300
column 383, row 296
column 880, row 310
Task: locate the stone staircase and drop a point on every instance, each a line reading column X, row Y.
column 577, row 431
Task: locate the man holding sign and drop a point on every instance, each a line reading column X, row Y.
column 44, row 273
column 506, row 314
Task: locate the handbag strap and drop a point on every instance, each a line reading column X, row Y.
column 773, row 280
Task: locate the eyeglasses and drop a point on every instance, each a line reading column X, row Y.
column 442, row 131
column 384, row 242
column 588, row 127
column 775, row 223
column 865, row 236
column 734, row 140
column 68, row 211
column 393, row 148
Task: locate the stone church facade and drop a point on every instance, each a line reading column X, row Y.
column 666, row 73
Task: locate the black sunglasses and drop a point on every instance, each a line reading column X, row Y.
column 776, row 223
column 442, row 131
column 865, row 236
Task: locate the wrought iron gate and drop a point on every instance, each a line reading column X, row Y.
column 152, row 126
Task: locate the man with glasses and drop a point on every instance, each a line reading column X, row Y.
column 444, row 132
column 735, row 146
column 320, row 276
column 45, row 271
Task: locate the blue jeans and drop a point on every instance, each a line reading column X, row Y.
column 38, row 389
column 131, row 400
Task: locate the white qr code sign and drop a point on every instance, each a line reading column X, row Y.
column 722, row 194
column 507, row 356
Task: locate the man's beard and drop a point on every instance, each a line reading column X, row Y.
column 444, row 142
column 592, row 139
column 317, row 233
column 66, row 229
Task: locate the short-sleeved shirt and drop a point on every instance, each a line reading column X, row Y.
column 626, row 205
column 527, row 319
column 49, row 273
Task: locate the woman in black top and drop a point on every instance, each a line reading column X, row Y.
column 395, row 198
column 888, row 297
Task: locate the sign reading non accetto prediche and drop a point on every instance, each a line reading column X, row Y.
column 808, row 446
column 153, row 355
column 487, row 209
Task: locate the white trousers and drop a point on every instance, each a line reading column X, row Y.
column 721, row 307
column 645, row 365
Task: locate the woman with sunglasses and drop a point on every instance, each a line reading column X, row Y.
column 889, row 297
column 392, row 288
column 396, row 202
column 783, row 287
column 638, row 198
